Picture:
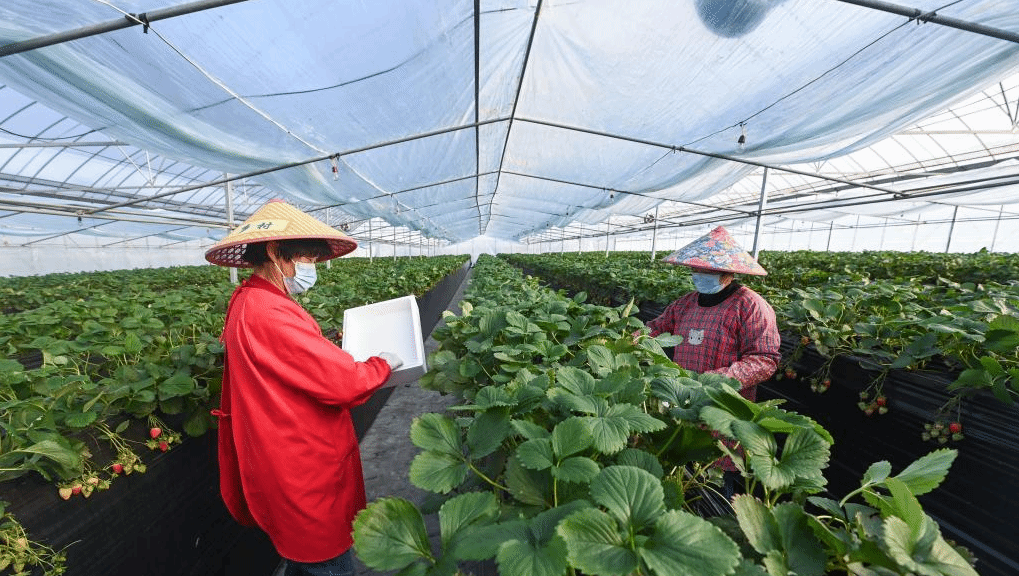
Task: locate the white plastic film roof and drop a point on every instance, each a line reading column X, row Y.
column 519, row 120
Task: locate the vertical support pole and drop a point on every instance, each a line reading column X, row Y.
column 329, row 263
column 394, row 243
column 230, row 219
column 855, row 230
column 994, row 239
column 654, row 235
column 562, row 240
column 827, row 247
column 916, row 230
column 760, row 210
column 370, row 243
column 881, row 246
column 951, row 229
column 580, row 239
column 608, row 228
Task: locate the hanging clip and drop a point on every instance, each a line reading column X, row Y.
column 143, row 18
column 334, row 160
column 742, row 140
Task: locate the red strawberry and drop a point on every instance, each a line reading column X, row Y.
column 880, row 401
column 826, row 383
column 155, row 432
column 164, row 446
column 76, row 489
column 955, row 427
column 117, row 468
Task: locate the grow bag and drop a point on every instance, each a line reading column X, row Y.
column 170, row 521
column 975, row 505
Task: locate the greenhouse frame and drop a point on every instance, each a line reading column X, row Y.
column 642, row 288
column 138, row 131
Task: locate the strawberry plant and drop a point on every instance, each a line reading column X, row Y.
column 579, row 448
column 18, row 552
column 83, row 353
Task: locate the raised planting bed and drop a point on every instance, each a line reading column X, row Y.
column 975, row 506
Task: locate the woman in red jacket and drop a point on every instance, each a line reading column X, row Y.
column 288, row 456
column 726, row 327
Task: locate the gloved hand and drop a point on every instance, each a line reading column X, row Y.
column 393, row 360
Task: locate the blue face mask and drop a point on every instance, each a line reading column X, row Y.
column 707, row 283
column 304, row 278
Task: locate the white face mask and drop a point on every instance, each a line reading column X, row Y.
column 707, row 283
column 304, row 278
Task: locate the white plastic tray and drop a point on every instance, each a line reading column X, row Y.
column 389, row 326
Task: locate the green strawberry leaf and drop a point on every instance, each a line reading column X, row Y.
column 522, row 558
column 436, row 433
column 804, row 455
column 685, row 544
column 464, row 510
column 529, row 430
column 536, row 454
column 576, row 381
column 487, row 432
column 938, row 558
column 927, row 472
column 578, row 469
column 570, row 436
column 437, row 471
column 528, row 486
column 801, row 547
column 641, row 459
column 390, row 535
column 595, row 545
column 632, row 495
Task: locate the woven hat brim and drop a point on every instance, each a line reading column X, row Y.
column 232, row 254
column 717, row 251
column 276, row 220
column 757, row 270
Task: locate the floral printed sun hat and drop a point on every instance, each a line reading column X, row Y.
column 717, row 251
column 276, row 220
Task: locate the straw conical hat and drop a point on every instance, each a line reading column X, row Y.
column 277, row 220
column 717, row 251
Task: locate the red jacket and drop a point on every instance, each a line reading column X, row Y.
column 288, row 456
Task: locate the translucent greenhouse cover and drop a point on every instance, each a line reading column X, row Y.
column 500, row 120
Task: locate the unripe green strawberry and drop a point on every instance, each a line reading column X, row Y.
column 957, row 436
column 882, row 410
column 864, row 395
column 925, row 436
column 65, row 492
